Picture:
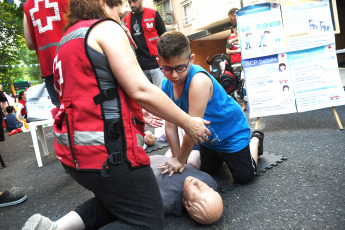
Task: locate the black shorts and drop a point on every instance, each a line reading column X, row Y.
column 241, row 164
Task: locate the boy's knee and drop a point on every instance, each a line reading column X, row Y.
column 210, row 169
column 244, row 179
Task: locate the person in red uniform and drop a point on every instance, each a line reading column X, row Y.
column 43, row 28
column 21, row 108
column 146, row 26
column 99, row 137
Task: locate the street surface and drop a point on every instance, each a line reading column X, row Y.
column 304, row 192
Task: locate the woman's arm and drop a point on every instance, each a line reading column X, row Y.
column 108, row 37
column 27, row 35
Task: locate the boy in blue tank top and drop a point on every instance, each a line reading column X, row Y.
column 197, row 93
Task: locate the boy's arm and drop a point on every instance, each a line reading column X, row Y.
column 18, row 120
column 172, row 135
column 200, row 92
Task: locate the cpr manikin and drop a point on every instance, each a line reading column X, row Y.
column 150, row 139
column 203, row 204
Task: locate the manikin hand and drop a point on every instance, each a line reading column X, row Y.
column 151, row 120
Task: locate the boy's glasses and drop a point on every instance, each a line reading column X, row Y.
column 178, row 69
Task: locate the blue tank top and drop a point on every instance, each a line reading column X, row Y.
column 229, row 127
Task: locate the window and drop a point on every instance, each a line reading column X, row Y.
column 187, row 13
column 164, row 9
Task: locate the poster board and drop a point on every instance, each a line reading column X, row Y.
column 38, row 103
column 288, row 57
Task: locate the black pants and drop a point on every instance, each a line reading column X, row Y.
column 128, row 199
column 241, row 164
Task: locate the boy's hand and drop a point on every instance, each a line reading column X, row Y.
column 172, row 166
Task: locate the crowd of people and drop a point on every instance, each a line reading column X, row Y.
column 94, row 55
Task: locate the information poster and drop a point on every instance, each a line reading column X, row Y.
column 297, row 70
column 316, row 79
column 307, row 23
column 38, row 104
column 272, row 92
column 261, row 30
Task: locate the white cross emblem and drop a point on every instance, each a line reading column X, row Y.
column 50, row 19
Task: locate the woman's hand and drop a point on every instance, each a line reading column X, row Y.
column 196, row 130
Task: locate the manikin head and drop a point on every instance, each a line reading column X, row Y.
column 150, row 139
column 203, row 204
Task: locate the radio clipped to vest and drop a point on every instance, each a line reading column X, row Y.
column 107, row 94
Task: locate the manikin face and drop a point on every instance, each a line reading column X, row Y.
column 194, row 190
column 177, row 62
column 150, row 139
column 202, row 203
column 136, row 5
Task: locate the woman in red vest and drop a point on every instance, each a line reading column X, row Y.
column 21, row 108
column 99, row 137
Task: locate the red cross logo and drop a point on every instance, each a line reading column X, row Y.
column 53, row 7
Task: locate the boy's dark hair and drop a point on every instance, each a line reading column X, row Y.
column 9, row 109
column 173, row 44
column 232, row 11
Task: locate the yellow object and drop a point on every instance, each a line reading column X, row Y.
column 13, row 90
column 26, row 124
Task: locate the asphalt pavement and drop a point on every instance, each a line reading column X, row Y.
column 307, row 191
column 304, row 192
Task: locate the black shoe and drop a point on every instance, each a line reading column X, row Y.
column 8, row 199
column 260, row 136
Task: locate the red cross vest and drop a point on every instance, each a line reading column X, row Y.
column 149, row 28
column 46, row 22
column 84, row 139
column 23, row 111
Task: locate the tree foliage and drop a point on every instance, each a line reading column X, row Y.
column 13, row 49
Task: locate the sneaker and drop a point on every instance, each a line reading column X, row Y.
column 39, row 222
column 260, row 135
column 8, row 199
